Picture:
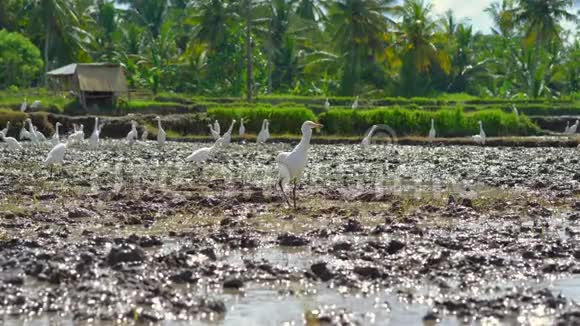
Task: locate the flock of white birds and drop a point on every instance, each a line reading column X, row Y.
column 291, row 165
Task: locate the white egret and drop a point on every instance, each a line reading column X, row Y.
column 326, row 104
column 432, row 131
column 202, row 154
column 78, row 136
column 214, row 134
column 94, row 139
column 355, row 103
column 5, row 130
column 13, row 144
column 132, row 135
column 23, row 106
column 573, row 128
column 227, row 137
column 31, row 132
column 39, row 135
column 480, row 139
column 24, row 134
column 161, row 134
column 291, row 165
column 56, row 136
column 242, row 130
column 145, row 135
column 264, row 133
column 216, row 127
column 567, row 130
column 367, row 140
column 35, row 105
column 56, row 156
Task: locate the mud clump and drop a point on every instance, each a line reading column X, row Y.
column 125, row 253
column 292, row 240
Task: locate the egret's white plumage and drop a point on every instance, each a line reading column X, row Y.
column 78, row 136
column 13, row 144
column 214, row 134
column 367, row 140
column 94, row 139
column 56, row 135
column 264, row 133
column 242, row 130
column 24, row 134
column 227, row 137
column 132, row 135
column 39, row 135
column 573, row 128
column 291, row 165
column 480, row 139
column 23, row 106
column 5, row 130
column 355, row 103
column 161, row 134
column 327, row 104
column 31, row 132
column 432, row 131
column 56, row 155
column 145, row 135
column 515, row 110
column 202, row 154
column 216, row 127
column 567, row 130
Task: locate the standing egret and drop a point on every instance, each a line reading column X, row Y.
column 227, row 137
column 145, row 135
column 24, row 134
column 161, row 134
column 202, row 154
column 264, row 133
column 214, row 134
column 291, row 165
column 94, row 139
column 13, row 144
column 367, row 140
column 355, row 104
column 242, row 130
column 56, row 156
column 432, row 131
column 567, row 130
column 78, row 136
column 56, row 136
column 23, row 106
column 480, row 139
column 326, row 104
column 5, row 130
column 217, row 128
column 31, row 131
column 132, row 135
column 39, row 135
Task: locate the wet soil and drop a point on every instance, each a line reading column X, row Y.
column 391, row 234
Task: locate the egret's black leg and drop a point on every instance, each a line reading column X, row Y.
column 282, row 188
column 294, row 192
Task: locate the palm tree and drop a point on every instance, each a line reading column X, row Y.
column 212, row 22
column 358, row 30
column 148, row 13
column 310, row 10
column 541, row 20
column 417, row 34
column 503, row 17
column 59, row 20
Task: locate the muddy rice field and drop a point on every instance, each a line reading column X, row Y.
column 386, row 235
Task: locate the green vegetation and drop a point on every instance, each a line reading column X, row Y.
column 449, row 122
column 372, row 48
column 20, row 62
column 283, row 119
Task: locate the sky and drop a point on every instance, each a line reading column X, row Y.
column 474, row 11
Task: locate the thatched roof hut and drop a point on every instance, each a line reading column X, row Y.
column 92, row 83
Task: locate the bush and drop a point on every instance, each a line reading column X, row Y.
column 449, row 122
column 283, row 119
column 16, row 119
column 20, row 61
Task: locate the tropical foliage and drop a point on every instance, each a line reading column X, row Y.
column 373, row 48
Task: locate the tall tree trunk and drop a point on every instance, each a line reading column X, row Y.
column 46, row 48
column 248, row 51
